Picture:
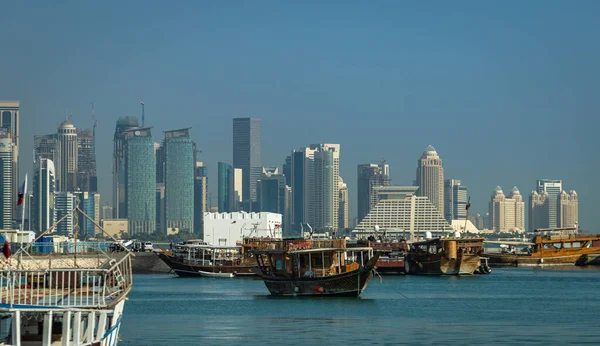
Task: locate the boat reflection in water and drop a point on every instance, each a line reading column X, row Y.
column 316, row 268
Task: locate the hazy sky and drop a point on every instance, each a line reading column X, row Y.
column 507, row 92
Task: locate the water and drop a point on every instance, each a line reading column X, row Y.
column 510, row 306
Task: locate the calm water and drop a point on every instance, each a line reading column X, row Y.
column 510, row 306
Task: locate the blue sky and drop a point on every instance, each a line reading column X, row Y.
column 507, row 92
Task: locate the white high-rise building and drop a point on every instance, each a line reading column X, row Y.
column 7, row 195
column 315, row 186
column 67, row 167
column 507, row 214
column 10, row 121
column 553, row 188
column 399, row 210
column 44, row 187
column 568, row 209
column 430, row 178
column 343, row 205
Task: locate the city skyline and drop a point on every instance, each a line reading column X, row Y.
column 492, row 97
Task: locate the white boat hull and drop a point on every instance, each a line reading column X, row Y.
column 215, row 275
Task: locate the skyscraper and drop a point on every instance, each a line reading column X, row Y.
column 238, row 188
column 87, row 180
column 7, row 196
column 200, row 197
column 553, row 188
column 140, row 180
column 539, row 209
column 568, row 209
column 225, row 188
column 455, row 200
column 64, row 202
column 44, row 187
column 247, row 139
column 274, row 195
column 315, row 186
column 68, row 164
column 179, row 180
column 89, row 203
column 47, row 147
column 10, row 120
column 160, row 163
column 370, row 176
column 430, row 178
column 123, row 124
column 507, row 214
column 343, row 205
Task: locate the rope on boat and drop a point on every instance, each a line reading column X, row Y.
column 393, row 289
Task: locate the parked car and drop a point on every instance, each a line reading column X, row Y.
column 148, row 246
column 137, row 247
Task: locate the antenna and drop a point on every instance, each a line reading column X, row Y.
column 143, row 115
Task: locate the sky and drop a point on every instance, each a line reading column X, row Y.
column 507, row 92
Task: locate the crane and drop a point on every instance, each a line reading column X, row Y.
column 143, row 115
column 95, row 124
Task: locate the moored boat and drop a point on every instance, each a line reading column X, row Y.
column 547, row 249
column 446, row 256
column 392, row 254
column 63, row 298
column 216, row 275
column 316, row 271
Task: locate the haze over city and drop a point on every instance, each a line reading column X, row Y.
column 506, row 104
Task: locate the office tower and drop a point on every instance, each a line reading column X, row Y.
column 568, row 209
column 507, row 214
column 343, row 205
column 225, row 188
column 97, row 206
column 161, row 223
column 7, row 196
column 200, row 197
column 140, row 180
column 47, row 147
column 64, row 202
column 106, row 212
column 160, row 163
column 287, row 170
column 44, row 187
column 370, row 176
column 88, row 203
column 398, row 209
column 539, row 210
column 179, row 180
column 455, row 200
column 553, row 188
column 87, row 180
column 68, row 164
column 238, row 188
column 119, row 173
column 430, row 178
column 10, row 121
column 315, row 186
column 271, row 191
column 247, row 139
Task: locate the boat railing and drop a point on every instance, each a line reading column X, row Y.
column 97, row 287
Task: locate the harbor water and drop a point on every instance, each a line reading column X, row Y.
column 550, row 306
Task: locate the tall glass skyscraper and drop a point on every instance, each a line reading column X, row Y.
column 200, row 198
column 455, row 200
column 44, row 187
column 430, row 178
column 179, row 180
column 247, row 142
column 553, row 188
column 123, row 124
column 225, row 188
column 140, row 180
column 369, row 177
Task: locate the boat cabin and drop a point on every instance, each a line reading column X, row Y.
column 450, row 247
column 310, row 263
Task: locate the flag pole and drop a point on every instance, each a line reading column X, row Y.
column 22, row 221
column 467, row 216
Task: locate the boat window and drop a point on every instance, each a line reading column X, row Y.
column 548, row 246
column 576, row 244
column 557, row 245
column 5, row 322
column 278, row 264
column 567, row 245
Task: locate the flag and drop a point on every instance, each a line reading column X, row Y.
column 277, row 225
column 22, row 191
column 468, row 204
column 6, row 249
